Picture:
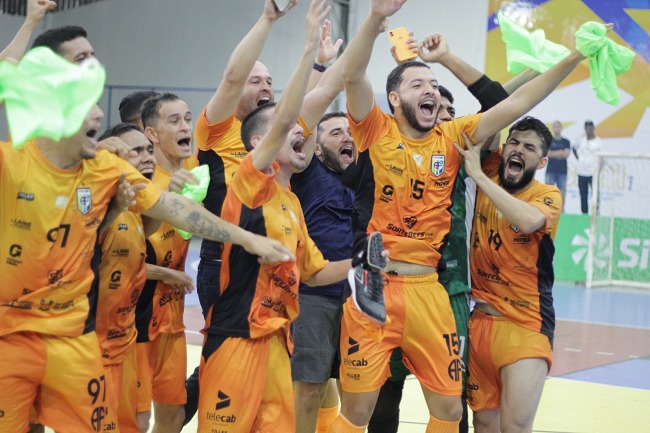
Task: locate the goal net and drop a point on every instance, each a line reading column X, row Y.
column 619, row 235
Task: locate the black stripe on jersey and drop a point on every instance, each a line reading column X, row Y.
column 545, row 279
column 364, row 200
column 211, row 344
column 93, row 293
column 214, row 199
column 144, row 307
column 231, row 309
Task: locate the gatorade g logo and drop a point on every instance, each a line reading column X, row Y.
column 354, row 346
column 224, row 400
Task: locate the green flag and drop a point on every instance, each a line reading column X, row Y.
column 526, row 49
column 607, row 59
column 47, row 96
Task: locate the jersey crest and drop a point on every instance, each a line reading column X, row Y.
column 437, row 165
column 84, row 200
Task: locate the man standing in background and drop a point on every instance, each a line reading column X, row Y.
column 556, row 170
column 585, row 149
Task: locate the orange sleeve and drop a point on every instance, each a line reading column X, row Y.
column 548, row 199
column 252, row 187
column 208, row 135
column 373, row 127
column 454, row 129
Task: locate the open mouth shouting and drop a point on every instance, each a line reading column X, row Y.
column 514, row 166
column 264, row 99
column 298, row 146
column 346, row 153
column 185, row 144
column 428, row 109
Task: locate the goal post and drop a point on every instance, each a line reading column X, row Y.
column 619, row 233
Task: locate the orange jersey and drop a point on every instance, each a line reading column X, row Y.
column 220, row 146
column 255, row 299
column 161, row 306
column 511, row 270
column 407, row 184
column 48, row 232
column 122, row 273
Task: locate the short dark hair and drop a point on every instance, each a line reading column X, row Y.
column 54, row 38
column 151, row 107
column 530, row 123
column 254, row 124
column 395, row 78
column 119, row 130
column 445, row 93
column 131, row 105
column 325, row 118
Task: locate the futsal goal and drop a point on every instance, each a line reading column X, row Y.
column 619, row 234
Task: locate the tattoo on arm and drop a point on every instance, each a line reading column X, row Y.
column 206, row 228
column 177, row 206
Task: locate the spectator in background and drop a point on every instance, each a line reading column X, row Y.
column 585, row 149
column 556, row 170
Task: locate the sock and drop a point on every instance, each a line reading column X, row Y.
column 342, row 425
column 326, row 417
column 437, row 426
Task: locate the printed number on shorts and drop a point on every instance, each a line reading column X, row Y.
column 97, row 390
column 453, row 344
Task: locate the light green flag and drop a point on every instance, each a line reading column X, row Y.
column 526, row 49
column 47, row 96
column 196, row 192
column 607, row 59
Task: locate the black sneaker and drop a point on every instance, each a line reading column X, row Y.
column 367, row 282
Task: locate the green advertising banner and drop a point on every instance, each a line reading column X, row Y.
column 622, row 249
column 571, row 243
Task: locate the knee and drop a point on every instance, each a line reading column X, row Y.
column 309, row 396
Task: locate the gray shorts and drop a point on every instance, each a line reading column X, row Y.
column 316, row 334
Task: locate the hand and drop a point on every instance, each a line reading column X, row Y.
column 272, row 14
column 179, row 280
column 36, row 10
column 433, row 48
column 385, row 8
column 472, row 157
column 269, row 250
column 179, row 178
column 318, row 11
column 117, row 147
column 124, row 198
column 326, row 50
column 412, row 44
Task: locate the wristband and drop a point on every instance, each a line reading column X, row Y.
column 319, row 67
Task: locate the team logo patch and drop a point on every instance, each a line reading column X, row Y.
column 437, row 164
column 84, row 200
column 410, row 221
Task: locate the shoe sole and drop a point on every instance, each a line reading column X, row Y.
column 353, row 288
column 375, row 247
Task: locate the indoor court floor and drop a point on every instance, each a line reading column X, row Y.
column 600, row 379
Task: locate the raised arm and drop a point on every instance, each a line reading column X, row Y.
column 525, row 98
column 360, row 97
column 435, row 49
column 288, row 108
column 184, row 214
column 523, row 215
column 224, row 101
column 36, row 10
column 327, row 50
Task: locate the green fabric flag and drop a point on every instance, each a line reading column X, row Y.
column 526, row 49
column 607, row 59
column 47, row 96
column 196, row 192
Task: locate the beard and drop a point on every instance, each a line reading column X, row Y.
column 331, row 160
column 409, row 114
column 513, row 185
